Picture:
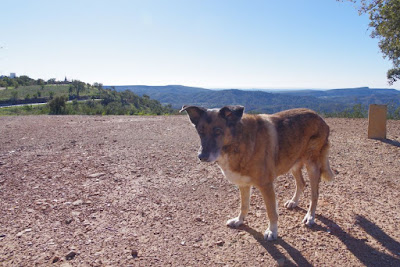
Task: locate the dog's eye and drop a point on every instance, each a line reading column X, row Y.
column 217, row 131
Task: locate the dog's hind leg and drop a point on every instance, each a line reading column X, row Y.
column 296, row 172
column 244, row 207
column 314, row 174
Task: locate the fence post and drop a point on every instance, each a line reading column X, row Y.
column 377, row 121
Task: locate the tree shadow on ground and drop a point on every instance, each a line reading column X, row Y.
column 368, row 255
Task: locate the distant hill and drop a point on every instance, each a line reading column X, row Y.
column 159, row 90
column 267, row 101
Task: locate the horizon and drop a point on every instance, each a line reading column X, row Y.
column 207, row 44
column 255, row 89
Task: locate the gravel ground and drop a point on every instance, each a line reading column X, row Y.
column 129, row 191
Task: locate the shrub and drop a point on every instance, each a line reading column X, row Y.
column 57, row 105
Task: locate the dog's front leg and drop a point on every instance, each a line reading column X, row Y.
column 268, row 193
column 244, row 207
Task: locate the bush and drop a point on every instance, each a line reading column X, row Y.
column 57, row 105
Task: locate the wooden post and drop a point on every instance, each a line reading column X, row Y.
column 377, row 121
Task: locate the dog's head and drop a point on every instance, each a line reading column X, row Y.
column 215, row 128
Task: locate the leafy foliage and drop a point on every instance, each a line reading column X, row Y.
column 57, row 105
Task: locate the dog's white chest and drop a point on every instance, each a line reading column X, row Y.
column 232, row 176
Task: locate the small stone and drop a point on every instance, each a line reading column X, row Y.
column 77, row 202
column 96, row 175
column 70, row 255
column 55, row 259
column 220, row 243
column 75, row 213
column 68, row 221
column 98, row 253
column 23, row 232
column 134, row 253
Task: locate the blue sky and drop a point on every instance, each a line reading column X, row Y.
column 213, row 44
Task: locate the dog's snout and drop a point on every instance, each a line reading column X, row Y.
column 203, row 157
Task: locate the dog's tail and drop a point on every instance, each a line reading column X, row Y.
column 326, row 172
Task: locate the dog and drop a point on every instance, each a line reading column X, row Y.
column 252, row 150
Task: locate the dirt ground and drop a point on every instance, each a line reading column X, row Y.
column 130, row 191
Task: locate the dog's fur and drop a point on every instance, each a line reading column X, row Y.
column 252, row 150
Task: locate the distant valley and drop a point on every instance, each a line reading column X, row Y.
column 268, row 101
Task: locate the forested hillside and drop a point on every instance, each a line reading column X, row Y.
column 333, row 101
column 73, row 97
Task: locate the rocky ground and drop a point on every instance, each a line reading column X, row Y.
column 129, row 191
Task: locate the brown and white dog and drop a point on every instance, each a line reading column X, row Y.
column 252, row 150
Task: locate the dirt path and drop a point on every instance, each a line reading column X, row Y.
column 129, row 191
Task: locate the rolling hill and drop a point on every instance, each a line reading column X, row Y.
column 268, row 101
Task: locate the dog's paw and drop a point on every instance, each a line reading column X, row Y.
column 308, row 220
column 270, row 235
column 234, row 222
column 290, row 204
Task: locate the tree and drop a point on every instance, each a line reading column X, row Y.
column 51, row 81
column 14, row 96
column 384, row 18
column 57, row 105
column 78, row 86
column 40, row 82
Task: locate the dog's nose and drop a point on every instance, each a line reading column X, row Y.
column 203, row 157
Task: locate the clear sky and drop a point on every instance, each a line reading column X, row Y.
column 206, row 43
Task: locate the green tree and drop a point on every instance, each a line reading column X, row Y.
column 51, row 81
column 14, row 96
column 78, row 87
column 57, row 105
column 40, row 82
column 70, row 91
column 384, row 18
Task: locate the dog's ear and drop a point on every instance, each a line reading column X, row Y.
column 232, row 114
column 194, row 113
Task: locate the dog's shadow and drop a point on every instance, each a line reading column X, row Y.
column 368, row 255
column 271, row 248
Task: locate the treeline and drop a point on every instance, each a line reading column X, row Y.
column 110, row 103
column 27, row 81
column 361, row 111
column 76, row 97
